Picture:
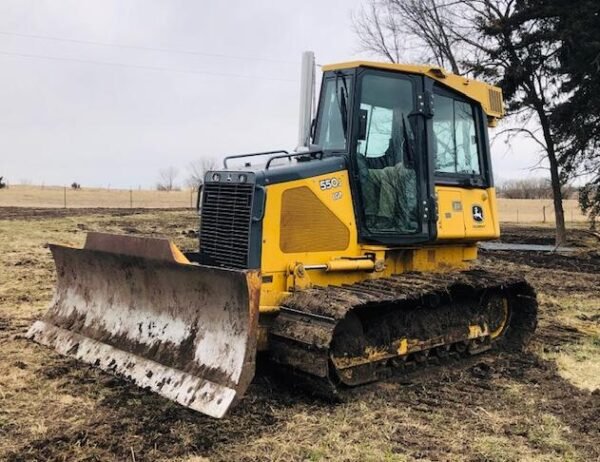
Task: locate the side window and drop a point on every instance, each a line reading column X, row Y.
column 455, row 137
column 330, row 132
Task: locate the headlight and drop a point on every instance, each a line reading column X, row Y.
column 216, row 177
column 242, row 178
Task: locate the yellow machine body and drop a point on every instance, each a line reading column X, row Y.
column 306, row 227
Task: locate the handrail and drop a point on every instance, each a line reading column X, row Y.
column 253, row 154
column 294, row 154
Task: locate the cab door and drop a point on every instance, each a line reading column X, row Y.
column 388, row 160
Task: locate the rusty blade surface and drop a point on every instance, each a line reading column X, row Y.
column 184, row 331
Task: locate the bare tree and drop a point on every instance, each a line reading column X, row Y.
column 2, row 183
column 529, row 188
column 197, row 169
column 484, row 38
column 166, row 181
column 419, row 30
column 378, row 30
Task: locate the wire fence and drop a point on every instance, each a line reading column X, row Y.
column 511, row 210
column 67, row 197
column 537, row 211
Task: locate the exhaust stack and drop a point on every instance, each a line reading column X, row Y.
column 307, row 100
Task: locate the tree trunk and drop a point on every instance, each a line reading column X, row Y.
column 561, row 231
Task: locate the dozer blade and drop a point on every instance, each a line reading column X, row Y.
column 133, row 307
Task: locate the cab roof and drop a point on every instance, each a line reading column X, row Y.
column 488, row 95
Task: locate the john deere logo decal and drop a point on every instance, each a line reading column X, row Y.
column 478, row 213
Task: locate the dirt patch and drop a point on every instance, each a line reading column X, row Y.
column 484, row 391
column 127, row 419
column 475, row 397
column 543, row 235
column 585, row 262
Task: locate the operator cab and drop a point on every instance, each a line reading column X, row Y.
column 403, row 134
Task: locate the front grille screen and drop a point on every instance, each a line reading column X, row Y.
column 225, row 223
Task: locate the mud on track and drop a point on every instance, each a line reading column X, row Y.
column 488, row 408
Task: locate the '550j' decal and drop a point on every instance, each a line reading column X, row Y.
column 329, row 183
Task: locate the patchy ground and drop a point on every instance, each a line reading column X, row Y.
column 540, row 405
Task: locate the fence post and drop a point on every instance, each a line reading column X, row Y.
column 544, row 212
column 191, row 198
column 130, row 199
column 65, row 197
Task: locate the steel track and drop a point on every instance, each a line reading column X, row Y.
column 305, row 337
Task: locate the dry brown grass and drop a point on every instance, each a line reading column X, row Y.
column 532, row 211
column 54, row 196
column 578, row 361
column 52, row 408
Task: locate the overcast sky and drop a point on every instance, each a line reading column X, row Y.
column 107, row 93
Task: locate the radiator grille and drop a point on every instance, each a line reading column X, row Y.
column 225, row 223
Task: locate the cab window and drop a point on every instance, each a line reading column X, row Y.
column 333, row 118
column 379, row 130
column 456, row 147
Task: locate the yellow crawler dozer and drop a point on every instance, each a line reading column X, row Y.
column 346, row 261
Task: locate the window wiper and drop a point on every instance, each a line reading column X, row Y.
column 341, row 95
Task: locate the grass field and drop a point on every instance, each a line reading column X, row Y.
column 532, row 211
column 56, row 197
column 542, row 405
column 511, row 210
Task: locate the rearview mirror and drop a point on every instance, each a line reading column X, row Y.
column 363, row 115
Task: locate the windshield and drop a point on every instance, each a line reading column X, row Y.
column 385, row 155
column 333, row 118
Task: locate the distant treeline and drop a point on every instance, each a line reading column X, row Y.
column 531, row 188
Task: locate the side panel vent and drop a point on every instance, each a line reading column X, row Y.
column 496, row 101
column 307, row 225
column 225, row 223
